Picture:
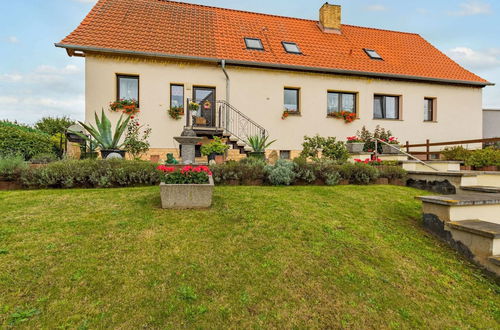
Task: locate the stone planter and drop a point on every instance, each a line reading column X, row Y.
column 106, row 153
column 187, row 196
column 389, row 149
column 355, row 148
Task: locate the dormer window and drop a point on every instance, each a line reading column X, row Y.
column 254, row 43
column 291, row 47
column 373, row 54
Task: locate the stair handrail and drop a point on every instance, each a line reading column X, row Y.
column 377, row 140
column 226, row 121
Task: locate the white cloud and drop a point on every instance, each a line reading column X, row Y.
column 376, row 8
column 474, row 59
column 12, row 40
column 11, row 77
column 8, row 100
column 472, row 7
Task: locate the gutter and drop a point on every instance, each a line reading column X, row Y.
column 228, row 81
column 275, row 66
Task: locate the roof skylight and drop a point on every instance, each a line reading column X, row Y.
column 373, row 54
column 291, row 47
column 254, row 43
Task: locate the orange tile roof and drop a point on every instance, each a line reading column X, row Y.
column 168, row 28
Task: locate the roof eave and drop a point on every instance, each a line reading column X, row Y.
column 274, row 65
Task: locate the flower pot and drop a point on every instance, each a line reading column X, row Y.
column 219, row 159
column 390, row 149
column 259, row 155
column 382, row 181
column 355, row 148
column 187, row 196
column 105, row 153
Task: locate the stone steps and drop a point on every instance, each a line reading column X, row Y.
column 481, row 189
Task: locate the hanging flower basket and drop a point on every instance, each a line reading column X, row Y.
column 129, row 107
column 347, row 116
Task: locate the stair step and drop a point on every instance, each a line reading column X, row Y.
column 233, row 138
column 465, row 199
column 482, row 189
column 495, row 260
column 478, row 227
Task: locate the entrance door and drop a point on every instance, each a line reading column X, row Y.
column 205, row 97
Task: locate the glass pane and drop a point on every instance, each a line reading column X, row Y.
column 291, row 100
column 177, row 96
column 129, row 88
column 348, row 102
column 391, row 110
column 377, row 107
column 333, row 102
column 291, row 47
column 428, row 110
column 254, row 43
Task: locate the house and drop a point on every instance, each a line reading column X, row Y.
column 491, row 123
column 246, row 69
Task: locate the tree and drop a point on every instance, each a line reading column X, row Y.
column 55, row 127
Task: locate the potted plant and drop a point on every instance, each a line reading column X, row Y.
column 186, row 188
column 484, row 159
column 129, row 107
column 347, row 116
column 176, row 112
column 355, row 145
column 259, row 144
column 103, row 135
column 215, row 150
column 393, row 147
column 285, row 114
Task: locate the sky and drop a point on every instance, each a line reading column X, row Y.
column 38, row 79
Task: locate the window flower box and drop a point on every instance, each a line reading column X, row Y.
column 355, row 145
column 188, row 188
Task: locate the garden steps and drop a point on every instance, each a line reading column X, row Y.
column 439, row 165
column 482, row 189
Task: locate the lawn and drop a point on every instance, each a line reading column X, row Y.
column 262, row 257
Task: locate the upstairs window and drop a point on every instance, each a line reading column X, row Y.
column 338, row 101
column 254, row 43
column 373, row 54
column 429, row 114
column 386, row 107
column 128, row 87
column 177, row 96
column 292, row 100
column 291, row 47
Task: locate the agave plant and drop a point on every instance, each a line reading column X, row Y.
column 259, row 143
column 103, row 134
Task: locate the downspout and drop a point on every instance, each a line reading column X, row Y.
column 228, row 81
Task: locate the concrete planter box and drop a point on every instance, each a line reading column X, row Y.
column 187, row 196
column 389, row 150
column 355, row 148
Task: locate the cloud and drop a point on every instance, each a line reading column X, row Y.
column 472, row 7
column 376, row 8
column 476, row 60
column 12, row 40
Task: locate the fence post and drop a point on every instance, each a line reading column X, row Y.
column 428, row 150
column 407, row 147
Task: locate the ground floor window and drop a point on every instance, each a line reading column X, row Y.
column 177, row 96
column 338, row 101
column 292, row 98
column 386, row 107
column 128, row 87
column 285, row 154
column 429, row 104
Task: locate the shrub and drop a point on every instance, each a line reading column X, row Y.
column 282, row 173
column 136, row 139
column 11, row 167
column 305, row 171
column 358, row 173
column 330, row 147
column 22, row 140
column 392, row 172
column 91, row 174
column 332, row 179
column 379, row 133
column 44, row 158
column 456, row 153
column 252, row 169
column 484, row 157
column 224, row 173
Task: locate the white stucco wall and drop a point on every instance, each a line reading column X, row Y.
column 259, row 94
column 491, row 123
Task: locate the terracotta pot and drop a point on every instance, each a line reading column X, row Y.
column 382, row 181
column 397, row 182
column 219, row 159
column 10, row 185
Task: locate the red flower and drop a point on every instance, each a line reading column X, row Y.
column 165, row 169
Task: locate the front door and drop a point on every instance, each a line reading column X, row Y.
column 205, row 97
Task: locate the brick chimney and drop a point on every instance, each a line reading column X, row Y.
column 330, row 18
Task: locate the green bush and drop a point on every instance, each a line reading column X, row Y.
column 252, row 169
column 92, row 174
column 282, row 173
column 217, row 146
column 332, row 179
column 458, row 153
column 330, row 148
column 44, row 158
column 22, row 140
column 227, row 172
column 392, row 172
column 358, row 173
column 11, row 167
column 484, row 157
column 304, row 170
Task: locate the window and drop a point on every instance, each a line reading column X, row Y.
column 373, row 54
column 177, row 96
column 338, row 101
column 386, row 107
column 429, row 109
column 128, row 87
column 253, row 43
column 292, row 100
column 291, row 47
column 285, row 154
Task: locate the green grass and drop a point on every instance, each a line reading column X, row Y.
column 296, row 257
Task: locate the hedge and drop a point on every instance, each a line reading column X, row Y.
column 21, row 140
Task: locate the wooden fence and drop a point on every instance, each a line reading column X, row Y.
column 427, row 153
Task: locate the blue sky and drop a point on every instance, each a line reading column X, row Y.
column 37, row 79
